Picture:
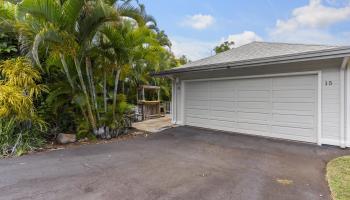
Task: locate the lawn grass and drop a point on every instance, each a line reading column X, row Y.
column 338, row 176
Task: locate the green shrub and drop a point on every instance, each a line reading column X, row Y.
column 15, row 139
column 20, row 126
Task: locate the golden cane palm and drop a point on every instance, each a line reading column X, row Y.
column 68, row 30
column 18, row 89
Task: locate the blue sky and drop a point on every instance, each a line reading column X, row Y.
column 196, row 26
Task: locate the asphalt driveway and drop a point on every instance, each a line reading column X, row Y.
column 178, row 163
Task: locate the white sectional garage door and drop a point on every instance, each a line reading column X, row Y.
column 282, row 107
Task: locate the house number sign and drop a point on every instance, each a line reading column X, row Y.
column 328, row 83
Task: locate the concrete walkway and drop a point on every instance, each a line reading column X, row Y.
column 154, row 125
column 177, row 163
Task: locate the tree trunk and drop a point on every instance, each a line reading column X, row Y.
column 91, row 84
column 65, row 68
column 83, row 87
column 115, row 93
column 84, row 112
column 105, row 90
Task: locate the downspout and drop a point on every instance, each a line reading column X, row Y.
column 343, row 103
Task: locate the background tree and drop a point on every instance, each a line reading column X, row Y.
column 224, row 47
column 183, row 60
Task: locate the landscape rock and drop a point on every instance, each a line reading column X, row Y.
column 63, row 138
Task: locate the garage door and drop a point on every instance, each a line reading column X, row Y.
column 281, row 107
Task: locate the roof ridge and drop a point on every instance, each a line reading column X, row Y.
column 305, row 44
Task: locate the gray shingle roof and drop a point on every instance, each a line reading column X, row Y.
column 256, row 50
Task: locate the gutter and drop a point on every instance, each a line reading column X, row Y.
column 316, row 55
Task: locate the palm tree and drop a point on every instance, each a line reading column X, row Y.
column 96, row 44
column 68, row 29
column 129, row 46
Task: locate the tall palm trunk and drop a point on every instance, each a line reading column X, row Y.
column 105, row 90
column 83, row 87
column 115, row 92
column 66, row 71
column 91, row 84
column 84, row 113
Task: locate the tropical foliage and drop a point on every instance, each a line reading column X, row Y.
column 20, row 126
column 225, row 46
column 92, row 55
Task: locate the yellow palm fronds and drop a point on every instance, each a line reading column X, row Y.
column 18, row 88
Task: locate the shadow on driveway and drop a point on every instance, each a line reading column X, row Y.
column 178, row 163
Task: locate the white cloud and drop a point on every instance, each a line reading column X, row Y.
column 194, row 49
column 242, row 38
column 199, row 21
column 315, row 15
column 307, row 36
column 310, row 23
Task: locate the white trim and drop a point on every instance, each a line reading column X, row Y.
column 180, row 123
column 342, row 102
column 173, row 102
column 319, row 108
column 319, row 139
column 256, row 76
column 347, row 105
column 333, row 142
column 342, row 107
column 183, row 121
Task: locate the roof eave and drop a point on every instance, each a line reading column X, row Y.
column 338, row 53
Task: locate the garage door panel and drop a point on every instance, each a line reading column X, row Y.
column 225, row 97
column 190, row 102
column 223, row 114
column 217, row 94
column 253, row 84
column 222, row 105
column 197, row 121
column 221, row 123
column 293, row 112
column 294, row 82
column 292, row 131
column 221, row 85
column 294, row 100
column 253, row 93
column 254, row 116
column 197, row 95
column 299, row 119
column 197, row 112
column 251, row 110
column 253, row 99
column 253, row 121
column 253, row 105
column 301, row 93
column 294, row 106
column 253, row 126
column 283, row 107
column 292, row 125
